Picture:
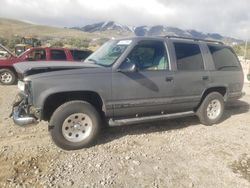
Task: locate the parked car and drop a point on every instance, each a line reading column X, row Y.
column 129, row 81
column 3, row 54
column 8, row 74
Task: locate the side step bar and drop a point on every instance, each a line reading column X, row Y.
column 146, row 119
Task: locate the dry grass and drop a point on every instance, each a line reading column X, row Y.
column 9, row 28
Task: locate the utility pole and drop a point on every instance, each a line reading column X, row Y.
column 245, row 53
column 246, row 62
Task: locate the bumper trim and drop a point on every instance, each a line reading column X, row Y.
column 22, row 121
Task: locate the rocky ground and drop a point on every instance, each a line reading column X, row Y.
column 174, row 153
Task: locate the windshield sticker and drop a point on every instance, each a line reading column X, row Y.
column 124, row 42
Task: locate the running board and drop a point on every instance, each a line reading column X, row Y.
column 146, row 119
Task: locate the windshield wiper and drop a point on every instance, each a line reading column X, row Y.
column 93, row 60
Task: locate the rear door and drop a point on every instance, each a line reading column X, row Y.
column 190, row 77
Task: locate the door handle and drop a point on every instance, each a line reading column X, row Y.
column 169, row 79
column 205, row 77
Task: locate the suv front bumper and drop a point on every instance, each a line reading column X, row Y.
column 20, row 111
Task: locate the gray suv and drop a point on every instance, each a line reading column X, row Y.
column 128, row 81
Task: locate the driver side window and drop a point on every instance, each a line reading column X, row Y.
column 37, row 55
column 149, row 55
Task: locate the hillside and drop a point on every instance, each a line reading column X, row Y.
column 93, row 35
column 9, row 27
column 12, row 30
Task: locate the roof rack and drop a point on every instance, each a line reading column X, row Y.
column 194, row 39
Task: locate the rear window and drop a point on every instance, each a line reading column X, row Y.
column 79, row 55
column 224, row 58
column 58, row 55
column 188, row 56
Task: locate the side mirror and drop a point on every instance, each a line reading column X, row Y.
column 28, row 57
column 127, row 67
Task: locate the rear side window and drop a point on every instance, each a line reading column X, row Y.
column 80, row 55
column 224, row 58
column 58, row 55
column 188, row 56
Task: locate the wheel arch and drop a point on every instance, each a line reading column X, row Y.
column 54, row 100
column 223, row 90
column 10, row 68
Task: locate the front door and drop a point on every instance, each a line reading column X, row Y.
column 147, row 90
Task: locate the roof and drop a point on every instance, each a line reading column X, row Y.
column 52, row 48
column 171, row 37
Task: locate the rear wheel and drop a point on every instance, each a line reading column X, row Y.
column 7, row 77
column 76, row 125
column 211, row 109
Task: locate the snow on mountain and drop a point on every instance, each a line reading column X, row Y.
column 105, row 26
column 157, row 30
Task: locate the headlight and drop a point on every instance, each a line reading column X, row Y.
column 21, row 85
column 24, row 85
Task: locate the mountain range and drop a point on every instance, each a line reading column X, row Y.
column 99, row 31
column 157, row 30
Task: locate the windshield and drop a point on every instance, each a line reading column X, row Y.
column 108, row 53
column 24, row 52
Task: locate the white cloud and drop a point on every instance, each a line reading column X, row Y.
column 228, row 17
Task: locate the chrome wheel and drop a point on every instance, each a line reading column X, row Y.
column 213, row 109
column 6, row 77
column 77, row 127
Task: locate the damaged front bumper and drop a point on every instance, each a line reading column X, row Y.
column 20, row 111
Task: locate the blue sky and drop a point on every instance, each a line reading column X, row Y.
column 227, row 17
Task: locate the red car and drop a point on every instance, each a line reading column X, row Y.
column 8, row 75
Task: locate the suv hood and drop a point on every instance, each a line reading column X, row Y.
column 30, row 68
column 7, row 50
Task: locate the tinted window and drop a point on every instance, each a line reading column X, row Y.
column 224, row 58
column 80, row 55
column 188, row 56
column 149, row 55
column 58, row 55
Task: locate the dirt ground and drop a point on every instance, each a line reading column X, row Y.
column 174, row 153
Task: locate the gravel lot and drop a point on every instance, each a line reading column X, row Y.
column 174, row 153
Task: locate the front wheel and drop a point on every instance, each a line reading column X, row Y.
column 7, row 77
column 75, row 125
column 211, row 109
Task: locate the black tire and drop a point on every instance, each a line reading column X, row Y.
column 67, row 110
column 7, row 77
column 202, row 110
